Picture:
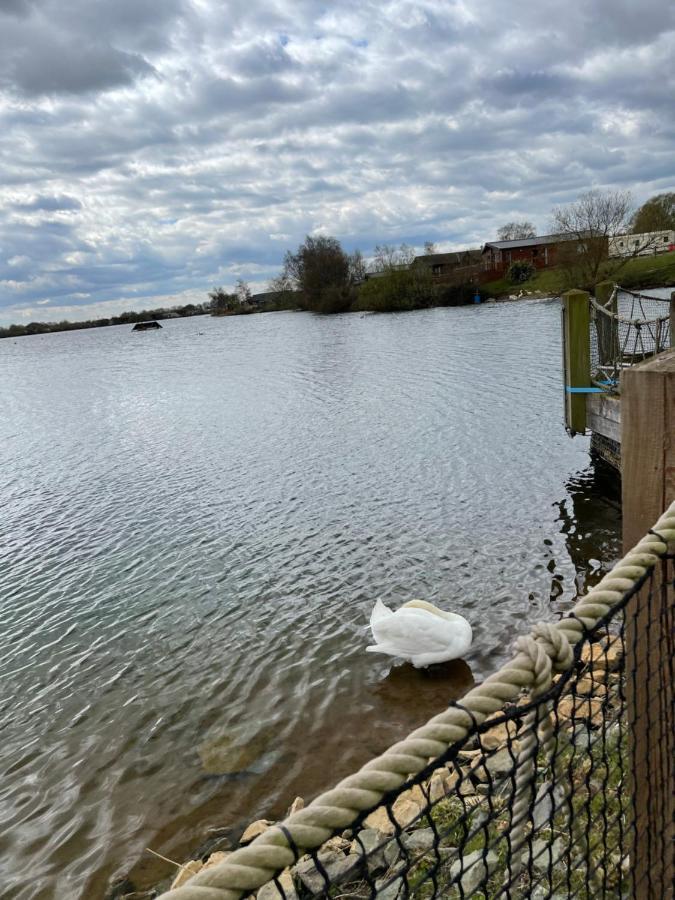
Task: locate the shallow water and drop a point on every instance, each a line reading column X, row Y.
column 195, row 525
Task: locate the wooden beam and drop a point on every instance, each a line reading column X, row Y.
column 672, row 319
column 603, row 415
column 648, row 487
column 647, row 443
column 576, row 357
column 607, row 330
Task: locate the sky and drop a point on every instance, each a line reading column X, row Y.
column 153, row 149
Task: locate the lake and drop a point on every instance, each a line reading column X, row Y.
column 196, row 523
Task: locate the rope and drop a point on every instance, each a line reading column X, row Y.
column 640, row 295
column 547, row 648
column 617, row 317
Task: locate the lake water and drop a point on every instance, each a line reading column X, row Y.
column 195, row 525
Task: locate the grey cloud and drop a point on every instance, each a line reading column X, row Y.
column 378, row 119
column 52, row 203
column 57, row 68
column 19, row 8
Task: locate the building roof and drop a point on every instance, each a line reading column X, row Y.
column 530, row 242
column 454, row 258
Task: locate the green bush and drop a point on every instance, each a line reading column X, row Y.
column 520, row 271
column 396, row 290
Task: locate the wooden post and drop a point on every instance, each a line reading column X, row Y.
column 648, row 487
column 608, row 333
column 576, row 357
column 672, row 319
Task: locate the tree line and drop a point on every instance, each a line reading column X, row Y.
column 125, row 318
column 321, row 277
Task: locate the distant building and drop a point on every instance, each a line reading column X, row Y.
column 263, row 298
column 646, row 244
column 541, row 252
column 457, row 267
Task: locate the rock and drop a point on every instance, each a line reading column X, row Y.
column 295, row 806
column 373, row 844
column 498, row 735
column 469, row 754
column 591, row 686
column 586, row 708
column 545, row 853
column 473, row 870
column 438, row 786
column 254, row 829
column 392, row 853
column 414, row 842
column 479, row 818
column 404, row 811
column 238, row 750
column 603, row 656
column 543, row 893
column 542, row 811
column 216, row 858
column 186, row 872
column 379, row 820
column 270, row 891
column 582, row 738
column 336, row 843
column 390, row 891
column 419, row 840
column 495, row 766
column 338, row 867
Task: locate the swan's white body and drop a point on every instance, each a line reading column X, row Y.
column 420, row 632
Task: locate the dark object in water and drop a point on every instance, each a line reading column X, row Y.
column 143, row 326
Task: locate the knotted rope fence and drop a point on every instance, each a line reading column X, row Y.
column 629, row 328
column 540, row 748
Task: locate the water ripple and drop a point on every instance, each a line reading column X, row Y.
column 195, row 525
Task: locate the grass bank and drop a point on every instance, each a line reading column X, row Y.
column 638, row 273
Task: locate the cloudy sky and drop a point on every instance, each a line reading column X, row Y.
column 151, row 149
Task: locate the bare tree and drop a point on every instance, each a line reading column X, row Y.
column 357, row 267
column 387, row 257
column 243, row 292
column 516, row 231
column 587, row 225
column 222, row 302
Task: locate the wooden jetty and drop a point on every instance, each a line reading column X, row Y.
column 594, row 405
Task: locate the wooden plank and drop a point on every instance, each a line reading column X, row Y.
column 642, row 474
column 603, row 415
column 577, row 356
column 648, row 487
column 672, row 319
column 600, row 425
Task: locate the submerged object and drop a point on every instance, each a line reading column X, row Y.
column 419, row 632
column 144, row 326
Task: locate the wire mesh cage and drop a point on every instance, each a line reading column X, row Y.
column 628, row 329
column 537, row 801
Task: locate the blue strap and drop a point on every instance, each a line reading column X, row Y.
column 585, row 390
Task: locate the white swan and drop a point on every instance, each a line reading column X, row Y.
column 420, row 632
